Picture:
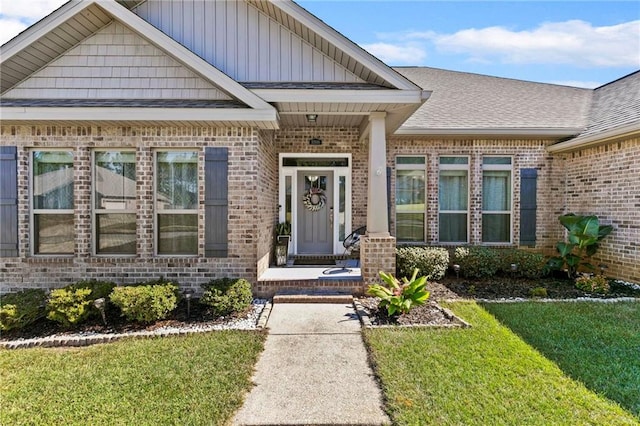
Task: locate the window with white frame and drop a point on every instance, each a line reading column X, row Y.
column 114, row 198
column 496, row 199
column 176, row 199
column 453, row 199
column 410, row 199
column 52, row 202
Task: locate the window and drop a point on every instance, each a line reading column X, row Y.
column 410, row 199
column 176, row 198
column 114, row 198
column 52, row 192
column 453, row 199
column 496, row 199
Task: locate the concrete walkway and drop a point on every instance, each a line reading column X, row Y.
column 313, row 371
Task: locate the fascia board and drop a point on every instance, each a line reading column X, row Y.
column 596, row 139
column 136, row 114
column 544, row 132
column 389, row 96
column 182, row 54
column 344, row 44
column 41, row 28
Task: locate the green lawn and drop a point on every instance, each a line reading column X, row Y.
column 485, row 375
column 197, row 380
column 595, row 343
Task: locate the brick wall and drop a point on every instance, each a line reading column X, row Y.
column 605, row 181
column 244, row 195
column 267, row 212
column 526, row 153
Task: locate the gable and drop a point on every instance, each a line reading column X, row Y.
column 116, row 63
column 243, row 42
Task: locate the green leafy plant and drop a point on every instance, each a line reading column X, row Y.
column 283, row 228
column 431, row 261
column 226, row 296
column 538, row 292
column 593, row 284
column 400, row 296
column 584, row 236
column 73, row 304
column 18, row 310
column 529, row 264
column 146, row 303
column 477, row 262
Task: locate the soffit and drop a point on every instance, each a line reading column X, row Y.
column 89, row 19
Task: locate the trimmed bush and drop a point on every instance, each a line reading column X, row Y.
column 146, row 302
column 226, row 296
column 477, row 262
column 73, row 304
column 18, row 310
column 431, row 262
column 530, row 264
column 593, row 284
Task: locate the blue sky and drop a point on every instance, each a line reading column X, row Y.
column 582, row 43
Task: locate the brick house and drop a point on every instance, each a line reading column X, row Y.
column 148, row 138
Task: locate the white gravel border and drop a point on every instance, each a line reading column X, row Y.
column 255, row 320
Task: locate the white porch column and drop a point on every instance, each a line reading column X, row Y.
column 377, row 203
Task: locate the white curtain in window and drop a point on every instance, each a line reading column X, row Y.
column 496, row 190
column 453, row 190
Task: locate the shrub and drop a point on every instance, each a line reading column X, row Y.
column 400, row 296
column 593, row 284
column 431, row 262
column 18, row 310
column 530, row 264
column 146, row 302
column 73, row 304
column 477, row 262
column 538, row 292
column 227, row 295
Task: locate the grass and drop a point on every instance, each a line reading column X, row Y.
column 595, row 343
column 479, row 376
column 197, row 379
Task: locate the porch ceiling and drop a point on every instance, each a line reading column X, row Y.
column 333, row 120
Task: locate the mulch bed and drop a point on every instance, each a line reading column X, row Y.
column 494, row 288
column 198, row 314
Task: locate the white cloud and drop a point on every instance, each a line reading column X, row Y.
column 573, row 42
column 16, row 15
column 28, row 10
column 9, row 28
column 395, row 54
column 577, row 83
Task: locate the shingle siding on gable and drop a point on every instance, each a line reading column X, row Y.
column 116, row 63
column 243, row 42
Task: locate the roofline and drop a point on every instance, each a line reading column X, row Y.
column 182, row 54
column 343, row 43
column 25, row 114
column 617, row 79
column 36, row 31
column 349, row 95
column 600, row 138
column 497, row 131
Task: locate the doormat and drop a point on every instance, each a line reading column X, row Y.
column 313, row 262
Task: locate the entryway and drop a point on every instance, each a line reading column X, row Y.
column 315, row 198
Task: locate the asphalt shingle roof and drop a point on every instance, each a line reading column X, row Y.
column 615, row 104
column 472, row 101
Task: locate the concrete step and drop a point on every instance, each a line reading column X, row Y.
column 313, row 298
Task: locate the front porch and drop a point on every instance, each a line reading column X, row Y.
column 336, row 276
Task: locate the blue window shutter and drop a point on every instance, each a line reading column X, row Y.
column 216, row 168
column 8, row 201
column 528, row 206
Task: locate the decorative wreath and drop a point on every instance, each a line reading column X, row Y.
column 314, row 200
